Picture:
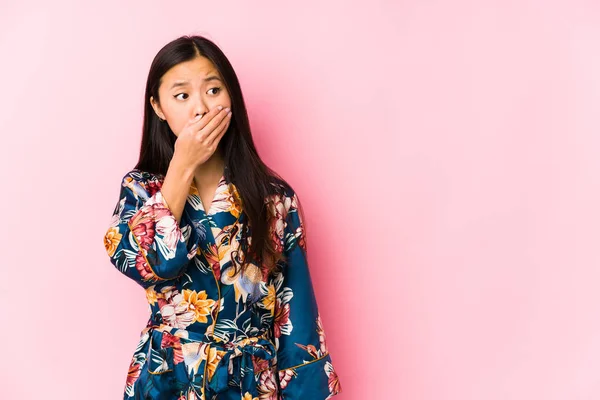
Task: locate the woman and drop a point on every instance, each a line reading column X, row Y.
column 217, row 241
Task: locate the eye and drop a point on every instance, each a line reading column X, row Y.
column 179, row 94
column 217, row 88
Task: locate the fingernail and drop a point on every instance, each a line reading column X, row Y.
column 220, row 107
column 227, row 109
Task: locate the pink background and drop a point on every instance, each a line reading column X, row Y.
column 446, row 154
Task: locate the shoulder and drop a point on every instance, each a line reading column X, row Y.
column 283, row 199
column 139, row 175
column 139, row 180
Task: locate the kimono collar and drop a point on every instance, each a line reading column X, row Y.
column 226, row 197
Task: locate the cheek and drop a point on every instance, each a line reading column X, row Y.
column 177, row 121
column 225, row 99
column 176, row 126
column 177, row 129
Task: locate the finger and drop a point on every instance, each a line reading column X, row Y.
column 223, row 125
column 206, row 118
column 218, row 133
column 212, row 124
column 200, row 121
column 218, row 138
column 199, row 124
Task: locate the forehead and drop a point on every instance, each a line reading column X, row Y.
column 193, row 71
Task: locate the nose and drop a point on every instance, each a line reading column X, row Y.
column 200, row 107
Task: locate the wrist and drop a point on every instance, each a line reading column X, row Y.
column 181, row 172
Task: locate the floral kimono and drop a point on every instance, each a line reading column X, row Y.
column 213, row 334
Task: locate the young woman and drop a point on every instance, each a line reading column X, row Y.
column 217, row 240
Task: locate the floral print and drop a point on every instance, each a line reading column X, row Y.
column 213, row 333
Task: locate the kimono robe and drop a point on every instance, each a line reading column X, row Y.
column 213, row 334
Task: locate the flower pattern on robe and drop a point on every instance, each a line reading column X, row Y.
column 212, row 330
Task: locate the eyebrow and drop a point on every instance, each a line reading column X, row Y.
column 183, row 83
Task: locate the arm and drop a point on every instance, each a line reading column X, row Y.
column 304, row 363
column 144, row 240
column 176, row 187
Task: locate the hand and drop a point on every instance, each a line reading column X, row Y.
column 199, row 139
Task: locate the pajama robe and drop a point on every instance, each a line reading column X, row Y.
column 213, row 334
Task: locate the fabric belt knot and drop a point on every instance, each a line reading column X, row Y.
column 237, row 366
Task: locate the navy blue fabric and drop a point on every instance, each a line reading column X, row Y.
column 214, row 334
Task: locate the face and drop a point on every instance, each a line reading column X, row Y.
column 188, row 89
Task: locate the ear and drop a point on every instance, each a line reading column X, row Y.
column 156, row 108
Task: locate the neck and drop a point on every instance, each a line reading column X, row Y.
column 210, row 171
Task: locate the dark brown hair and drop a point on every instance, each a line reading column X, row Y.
column 254, row 180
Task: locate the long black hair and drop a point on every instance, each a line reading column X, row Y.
column 254, row 180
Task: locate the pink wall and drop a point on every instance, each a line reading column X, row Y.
column 446, row 154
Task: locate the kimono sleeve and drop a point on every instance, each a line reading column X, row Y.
column 305, row 367
column 144, row 241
